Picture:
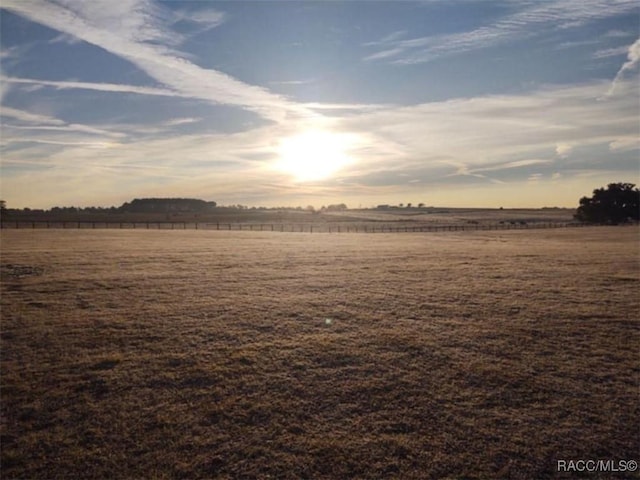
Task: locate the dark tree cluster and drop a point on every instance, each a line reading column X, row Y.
column 83, row 210
column 167, row 205
column 338, row 207
column 618, row 203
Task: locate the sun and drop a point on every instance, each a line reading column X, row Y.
column 313, row 155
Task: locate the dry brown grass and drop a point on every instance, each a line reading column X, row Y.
column 192, row 354
column 398, row 217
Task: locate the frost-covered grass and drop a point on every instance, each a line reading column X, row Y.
column 204, row 354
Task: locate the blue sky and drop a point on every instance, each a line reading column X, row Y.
column 514, row 103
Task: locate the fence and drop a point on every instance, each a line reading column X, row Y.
column 281, row 227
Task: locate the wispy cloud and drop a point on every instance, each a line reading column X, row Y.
column 563, row 149
column 72, row 127
column 632, row 63
column 65, row 38
column 386, row 39
column 292, row 82
column 388, row 53
column 498, row 132
column 181, row 121
column 463, row 170
column 205, row 18
column 618, row 34
column 578, row 43
column 514, row 164
column 102, row 87
column 137, row 30
column 11, row 52
column 29, row 117
column 611, row 52
column 44, row 129
column 345, row 107
column 67, row 143
column 532, row 19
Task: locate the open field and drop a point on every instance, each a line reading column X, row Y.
column 390, row 220
column 206, row 354
column 295, row 220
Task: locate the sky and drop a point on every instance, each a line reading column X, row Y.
column 459, row 103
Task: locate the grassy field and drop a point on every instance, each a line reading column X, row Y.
column 398, row 217
column 204, row 354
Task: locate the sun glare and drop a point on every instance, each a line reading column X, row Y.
column 313, row 155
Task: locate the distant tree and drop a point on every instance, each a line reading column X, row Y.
column 421, row 205
column 409, row 205
column 168, row 205
column 618, row 203
column 337, row 207
column 3, row 208
column 64, row 210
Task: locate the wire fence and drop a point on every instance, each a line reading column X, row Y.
column 285, row 227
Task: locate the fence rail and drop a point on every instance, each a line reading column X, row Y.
column 282, row 227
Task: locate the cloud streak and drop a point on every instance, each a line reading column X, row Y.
column 143, row 39
column 499, row 133
column 533, row 19
column 101, row 87
column 28, row 117
column 633, row 60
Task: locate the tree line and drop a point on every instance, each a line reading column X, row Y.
column 617, row 203
column 169, row 206
column 137, row 205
